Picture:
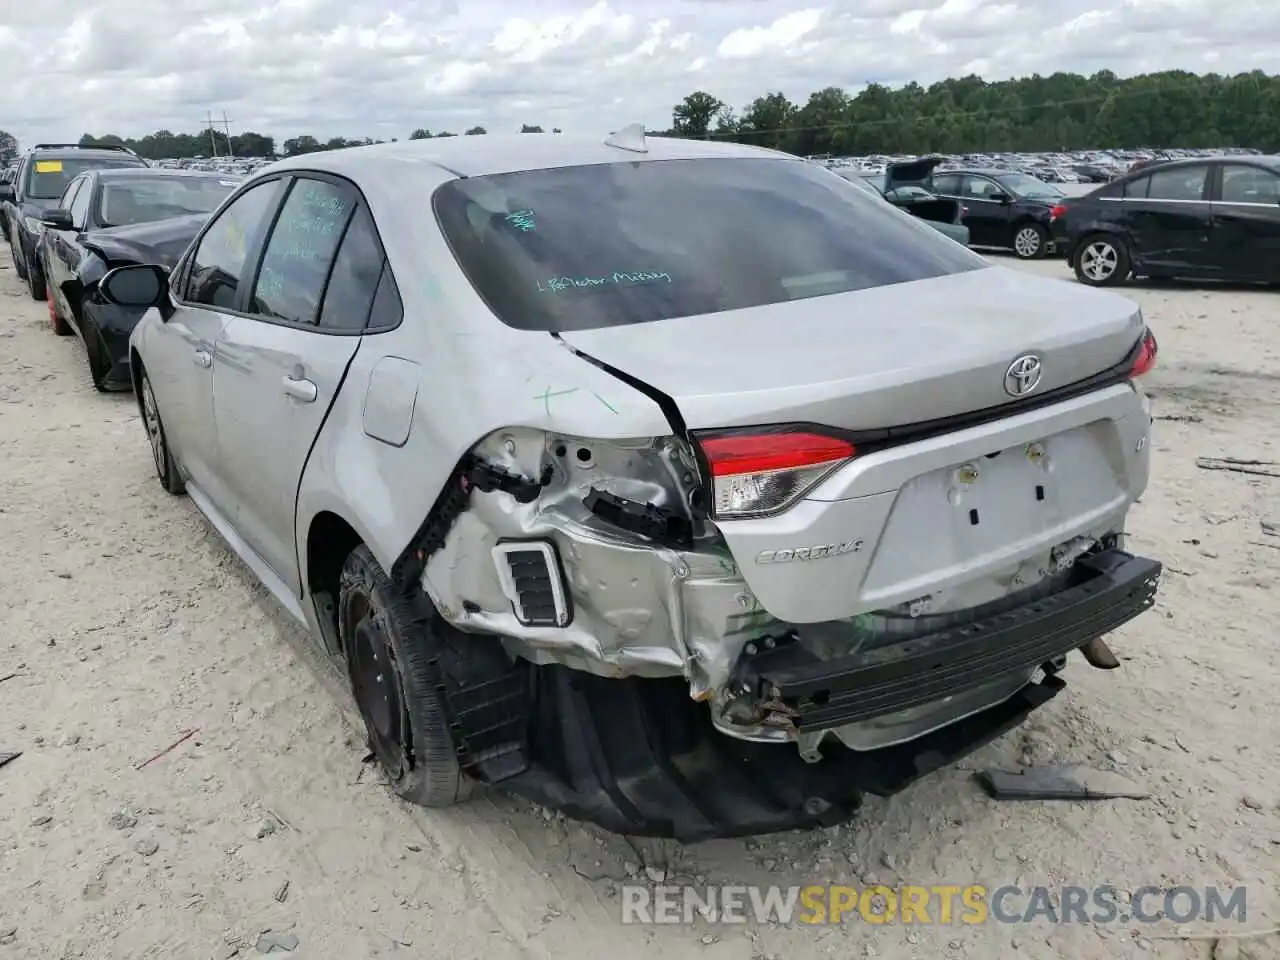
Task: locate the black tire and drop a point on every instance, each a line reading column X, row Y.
column 390, row 649
column 35, row 282
column 1030, row 241
column 1102, row 260
column 166, row 465
column 19, row 267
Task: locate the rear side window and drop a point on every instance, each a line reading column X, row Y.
column 1245, row 184
column 354, row 280
column 1178, row 183
column 47, row 177
column 300, row 251
column 574, row 248
column 219, row 261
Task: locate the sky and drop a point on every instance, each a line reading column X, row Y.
column 381, row 68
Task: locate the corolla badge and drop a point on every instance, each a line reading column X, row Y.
column 820, row 552
column 1023, row 375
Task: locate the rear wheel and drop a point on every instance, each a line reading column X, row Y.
column 1030, row 241
column 1102, row 261
column 166, row 466
column 391, row 653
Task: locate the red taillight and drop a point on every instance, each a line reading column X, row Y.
column 759, row 473
column 754, row 453
column 1058, row 211
column 1146, row 360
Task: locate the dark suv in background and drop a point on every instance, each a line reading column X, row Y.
column 42, row 175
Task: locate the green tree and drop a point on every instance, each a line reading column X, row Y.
column 297, row 145
column 422, row 133
column 968, row 114
column 475, row 131
column 8, row 147
column 693, row 116
column 530, row 128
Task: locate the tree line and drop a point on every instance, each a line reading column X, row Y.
column 959, row 115
column 1063, row 111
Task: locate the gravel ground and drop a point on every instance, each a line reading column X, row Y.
column 127, row 624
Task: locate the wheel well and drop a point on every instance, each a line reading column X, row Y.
column 1028, row 220
column 330, row 540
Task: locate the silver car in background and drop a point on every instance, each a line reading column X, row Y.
column 681, row 486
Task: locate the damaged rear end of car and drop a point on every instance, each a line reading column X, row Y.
column 888, row 503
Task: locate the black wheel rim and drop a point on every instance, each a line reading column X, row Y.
column 376, row 685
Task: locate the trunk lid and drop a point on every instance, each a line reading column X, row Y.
column 906, row 172
column 870, row 359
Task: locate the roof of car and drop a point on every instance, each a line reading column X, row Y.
column 491, row 153
column 985, row 171
column 133, row 173
column 70, row 152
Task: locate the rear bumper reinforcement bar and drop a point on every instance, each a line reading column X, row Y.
column 1107, row 589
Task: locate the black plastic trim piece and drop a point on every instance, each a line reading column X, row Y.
column 1108, row 589
column 645, row 519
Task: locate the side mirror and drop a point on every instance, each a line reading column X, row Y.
column 1002, row 198
column 57, row 219
column 137, row 285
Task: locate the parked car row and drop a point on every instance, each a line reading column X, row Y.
column 74, row 213
column 644, row 478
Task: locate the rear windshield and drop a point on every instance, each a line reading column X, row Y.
column 144, row 199
column 47, row 177
column 575, row 248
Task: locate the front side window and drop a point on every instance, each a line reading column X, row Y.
column 1245, row 184
column 573, row 248
column 48, row 177
column 1178, row 183
column 144, row 199
column 69, row 194
column 946, row 183
column 219, row 261
column 300, row 251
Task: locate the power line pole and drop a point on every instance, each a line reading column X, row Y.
column 226, row 125
column 212, row 140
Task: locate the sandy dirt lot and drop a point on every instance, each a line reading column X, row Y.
column 127, row 624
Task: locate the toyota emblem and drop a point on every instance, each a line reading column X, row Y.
column 1023, row 375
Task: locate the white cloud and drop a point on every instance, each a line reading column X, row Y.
column 381, row 68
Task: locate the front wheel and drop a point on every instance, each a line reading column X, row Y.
column 166, row 465
column 1102, row 261
column 1030, row 241
column 392, row 659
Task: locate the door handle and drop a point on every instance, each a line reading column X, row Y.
column 201, row 358
column 300, row 389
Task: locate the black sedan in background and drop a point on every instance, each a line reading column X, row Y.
column 110, row 218
column 1004, row 210
column 1214, row 218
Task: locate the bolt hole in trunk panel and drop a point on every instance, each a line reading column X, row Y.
column 937, row 514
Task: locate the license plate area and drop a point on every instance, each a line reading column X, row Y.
column 984, row 512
